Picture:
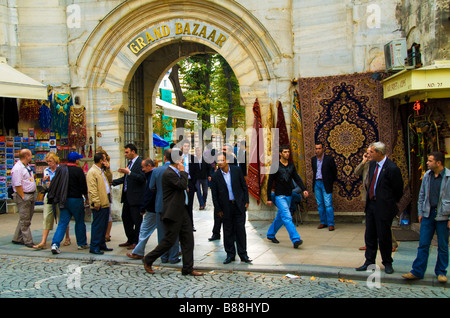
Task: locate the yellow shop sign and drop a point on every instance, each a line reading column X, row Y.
column 174, row 29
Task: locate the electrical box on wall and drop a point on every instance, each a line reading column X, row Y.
column 395, row 53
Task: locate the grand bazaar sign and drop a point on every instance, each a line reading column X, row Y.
column 175, row 29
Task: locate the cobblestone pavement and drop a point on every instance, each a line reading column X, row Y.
column 32, row 277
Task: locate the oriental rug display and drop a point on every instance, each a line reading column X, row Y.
column 254, row 176
column 347, row 113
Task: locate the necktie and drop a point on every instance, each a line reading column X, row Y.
column 125, row 182
column 372, row 183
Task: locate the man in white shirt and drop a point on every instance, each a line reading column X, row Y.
column 24, row 187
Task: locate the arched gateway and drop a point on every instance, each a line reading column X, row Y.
column 159, row 34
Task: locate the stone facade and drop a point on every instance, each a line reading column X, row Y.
column 86, row 46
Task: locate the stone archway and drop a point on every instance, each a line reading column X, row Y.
column 134, row 30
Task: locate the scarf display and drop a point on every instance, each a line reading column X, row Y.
column 45, row 110
column 29, row 110
column 77, row 127
column 61, row 112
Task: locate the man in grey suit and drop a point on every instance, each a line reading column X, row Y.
column 156, row 184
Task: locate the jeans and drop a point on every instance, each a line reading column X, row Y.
column 148, row 225
column 428, row 227
column 324, row 203
column 98, row 229
column 74, row 207
column 283, row 217
column 203, row 194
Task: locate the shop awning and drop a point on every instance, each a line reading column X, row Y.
column 175, row 111
column 15, row 84
column 418, row 84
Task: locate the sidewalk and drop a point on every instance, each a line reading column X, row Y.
column 330, row 254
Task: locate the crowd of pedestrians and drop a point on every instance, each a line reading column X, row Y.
column 161, row 198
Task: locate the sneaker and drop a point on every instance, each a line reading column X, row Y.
column 55, row 249
column 83, row 247
column 442, row 278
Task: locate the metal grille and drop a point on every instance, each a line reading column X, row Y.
column 133, row 119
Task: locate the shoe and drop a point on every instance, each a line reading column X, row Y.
column 83, row 247
column 246, row 260
column 388, row 269
column 135, row 256
column 321, row 226
column 106, row 249
column 273, row 239
column 148, row 269
column 193, row 273
column 363, row 268
column 442, row 279
column 331, row 228
column 228, row 260
column 362, row 248
column 297, row 243
column 96, row 252
column 175, row 261
column 31, row 245
column 131, row 247
column 55, row 249
column 214, row 238
column 17, row 242
column 410, row 276
column 67, row 242
column 124, row 244
column 202, row 208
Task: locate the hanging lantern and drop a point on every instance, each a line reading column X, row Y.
column 417, row 106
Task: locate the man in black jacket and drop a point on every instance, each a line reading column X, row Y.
column 132, row 195
column 385, row 191
column 230, row 197
column 324, row 175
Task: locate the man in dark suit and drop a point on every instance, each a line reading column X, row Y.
column 175, row 217
column 230, row 197
column 203, row 173
column 324, row 175
column 385, row 190
column 191, row 168
column 132, row 195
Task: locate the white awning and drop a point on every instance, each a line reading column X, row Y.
column 15, row 84
column 175, row 111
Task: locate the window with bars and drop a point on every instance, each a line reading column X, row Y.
column 134, row 127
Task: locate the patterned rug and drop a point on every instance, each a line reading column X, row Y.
column 347, row 113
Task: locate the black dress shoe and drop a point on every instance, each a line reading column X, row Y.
column 175, row 261
column 106, row 249
column 228, row 260
column 246, row 259
column 273, row 239
column 363, row 268
column 214, row 238
column 96, row 252
column 388, row 269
